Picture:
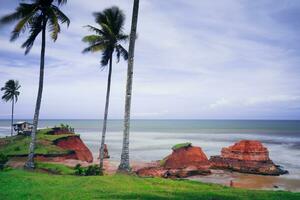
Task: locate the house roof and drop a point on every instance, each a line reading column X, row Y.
column 19, row 123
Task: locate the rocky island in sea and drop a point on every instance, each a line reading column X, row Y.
column 185, row 160
column 246, row 156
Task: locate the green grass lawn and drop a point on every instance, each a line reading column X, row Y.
column 19, row 184
column 19, row 145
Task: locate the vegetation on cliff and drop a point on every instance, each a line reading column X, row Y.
column 45, row 144
column 181, row 145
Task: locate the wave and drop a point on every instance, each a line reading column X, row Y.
column 5, row 127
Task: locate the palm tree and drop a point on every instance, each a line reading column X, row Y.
column 124, row 165
column 11, row 93
column 107, row 39
column 36, row 17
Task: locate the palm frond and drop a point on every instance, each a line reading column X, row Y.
column 21, row 26
column 121, row 51
column 36, row 28
column 106, row 56
column 61, row 16
column 93, row 39
column 53, row 24
column 94, row 48
column 61, row 2
column 123, row 37
column 94, row 29
column 22, row 11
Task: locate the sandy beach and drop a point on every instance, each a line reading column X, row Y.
column 250, row 181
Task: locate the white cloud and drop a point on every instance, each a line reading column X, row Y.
column 195, row 59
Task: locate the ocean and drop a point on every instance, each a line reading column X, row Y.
column 152, row 139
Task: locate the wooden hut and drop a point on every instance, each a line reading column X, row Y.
column 23, row 128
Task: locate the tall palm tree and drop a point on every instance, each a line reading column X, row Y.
column 107, row 39
column 11, row 93
column 36, row 17
column 124, row 165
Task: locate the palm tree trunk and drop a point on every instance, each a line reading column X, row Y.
column 30, row 162
column 125, row 165
column 105, row 114
column 12, row 116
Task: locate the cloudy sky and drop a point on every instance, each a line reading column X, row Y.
column 194, row 60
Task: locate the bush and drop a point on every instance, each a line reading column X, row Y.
column 78, row 170
column 17, row 148
column 181, row 145
column 91, row 170
column 3, row 160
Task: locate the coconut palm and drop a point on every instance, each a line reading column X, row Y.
column 36, row 17
column 107, row 39
column 11, row 93
column 124, row 165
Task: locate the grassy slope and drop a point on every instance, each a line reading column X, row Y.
column 55, row 168
column 17, row 184
column 19, row 145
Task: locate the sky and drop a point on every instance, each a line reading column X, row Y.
column 230, row 59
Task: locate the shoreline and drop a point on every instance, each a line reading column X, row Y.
column 249, row 181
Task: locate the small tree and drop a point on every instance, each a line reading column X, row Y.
column 11, row 93
column 107, row 40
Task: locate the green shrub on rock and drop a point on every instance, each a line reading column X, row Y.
column 181, row 145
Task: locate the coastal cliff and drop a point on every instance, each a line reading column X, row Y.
column 75, row 144
column 52, row 144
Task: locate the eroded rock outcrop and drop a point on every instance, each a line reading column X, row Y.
column 183, row 162
column 75, row 144
column 246, row 156
column 106, row 154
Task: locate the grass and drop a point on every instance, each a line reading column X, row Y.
column 19, row 145
column 19, row 184
column 181, row 145
column 55, row 168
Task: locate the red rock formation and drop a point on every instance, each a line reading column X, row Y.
column 186, row 157
column 106, row 154
column 247, row 156
column 57, row 158
column 75, row 144
column 183, row 162
column 152, row 172
column 251, row 150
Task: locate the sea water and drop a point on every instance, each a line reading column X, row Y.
column 152, row 139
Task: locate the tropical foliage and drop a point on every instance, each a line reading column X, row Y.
column 11, row 93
